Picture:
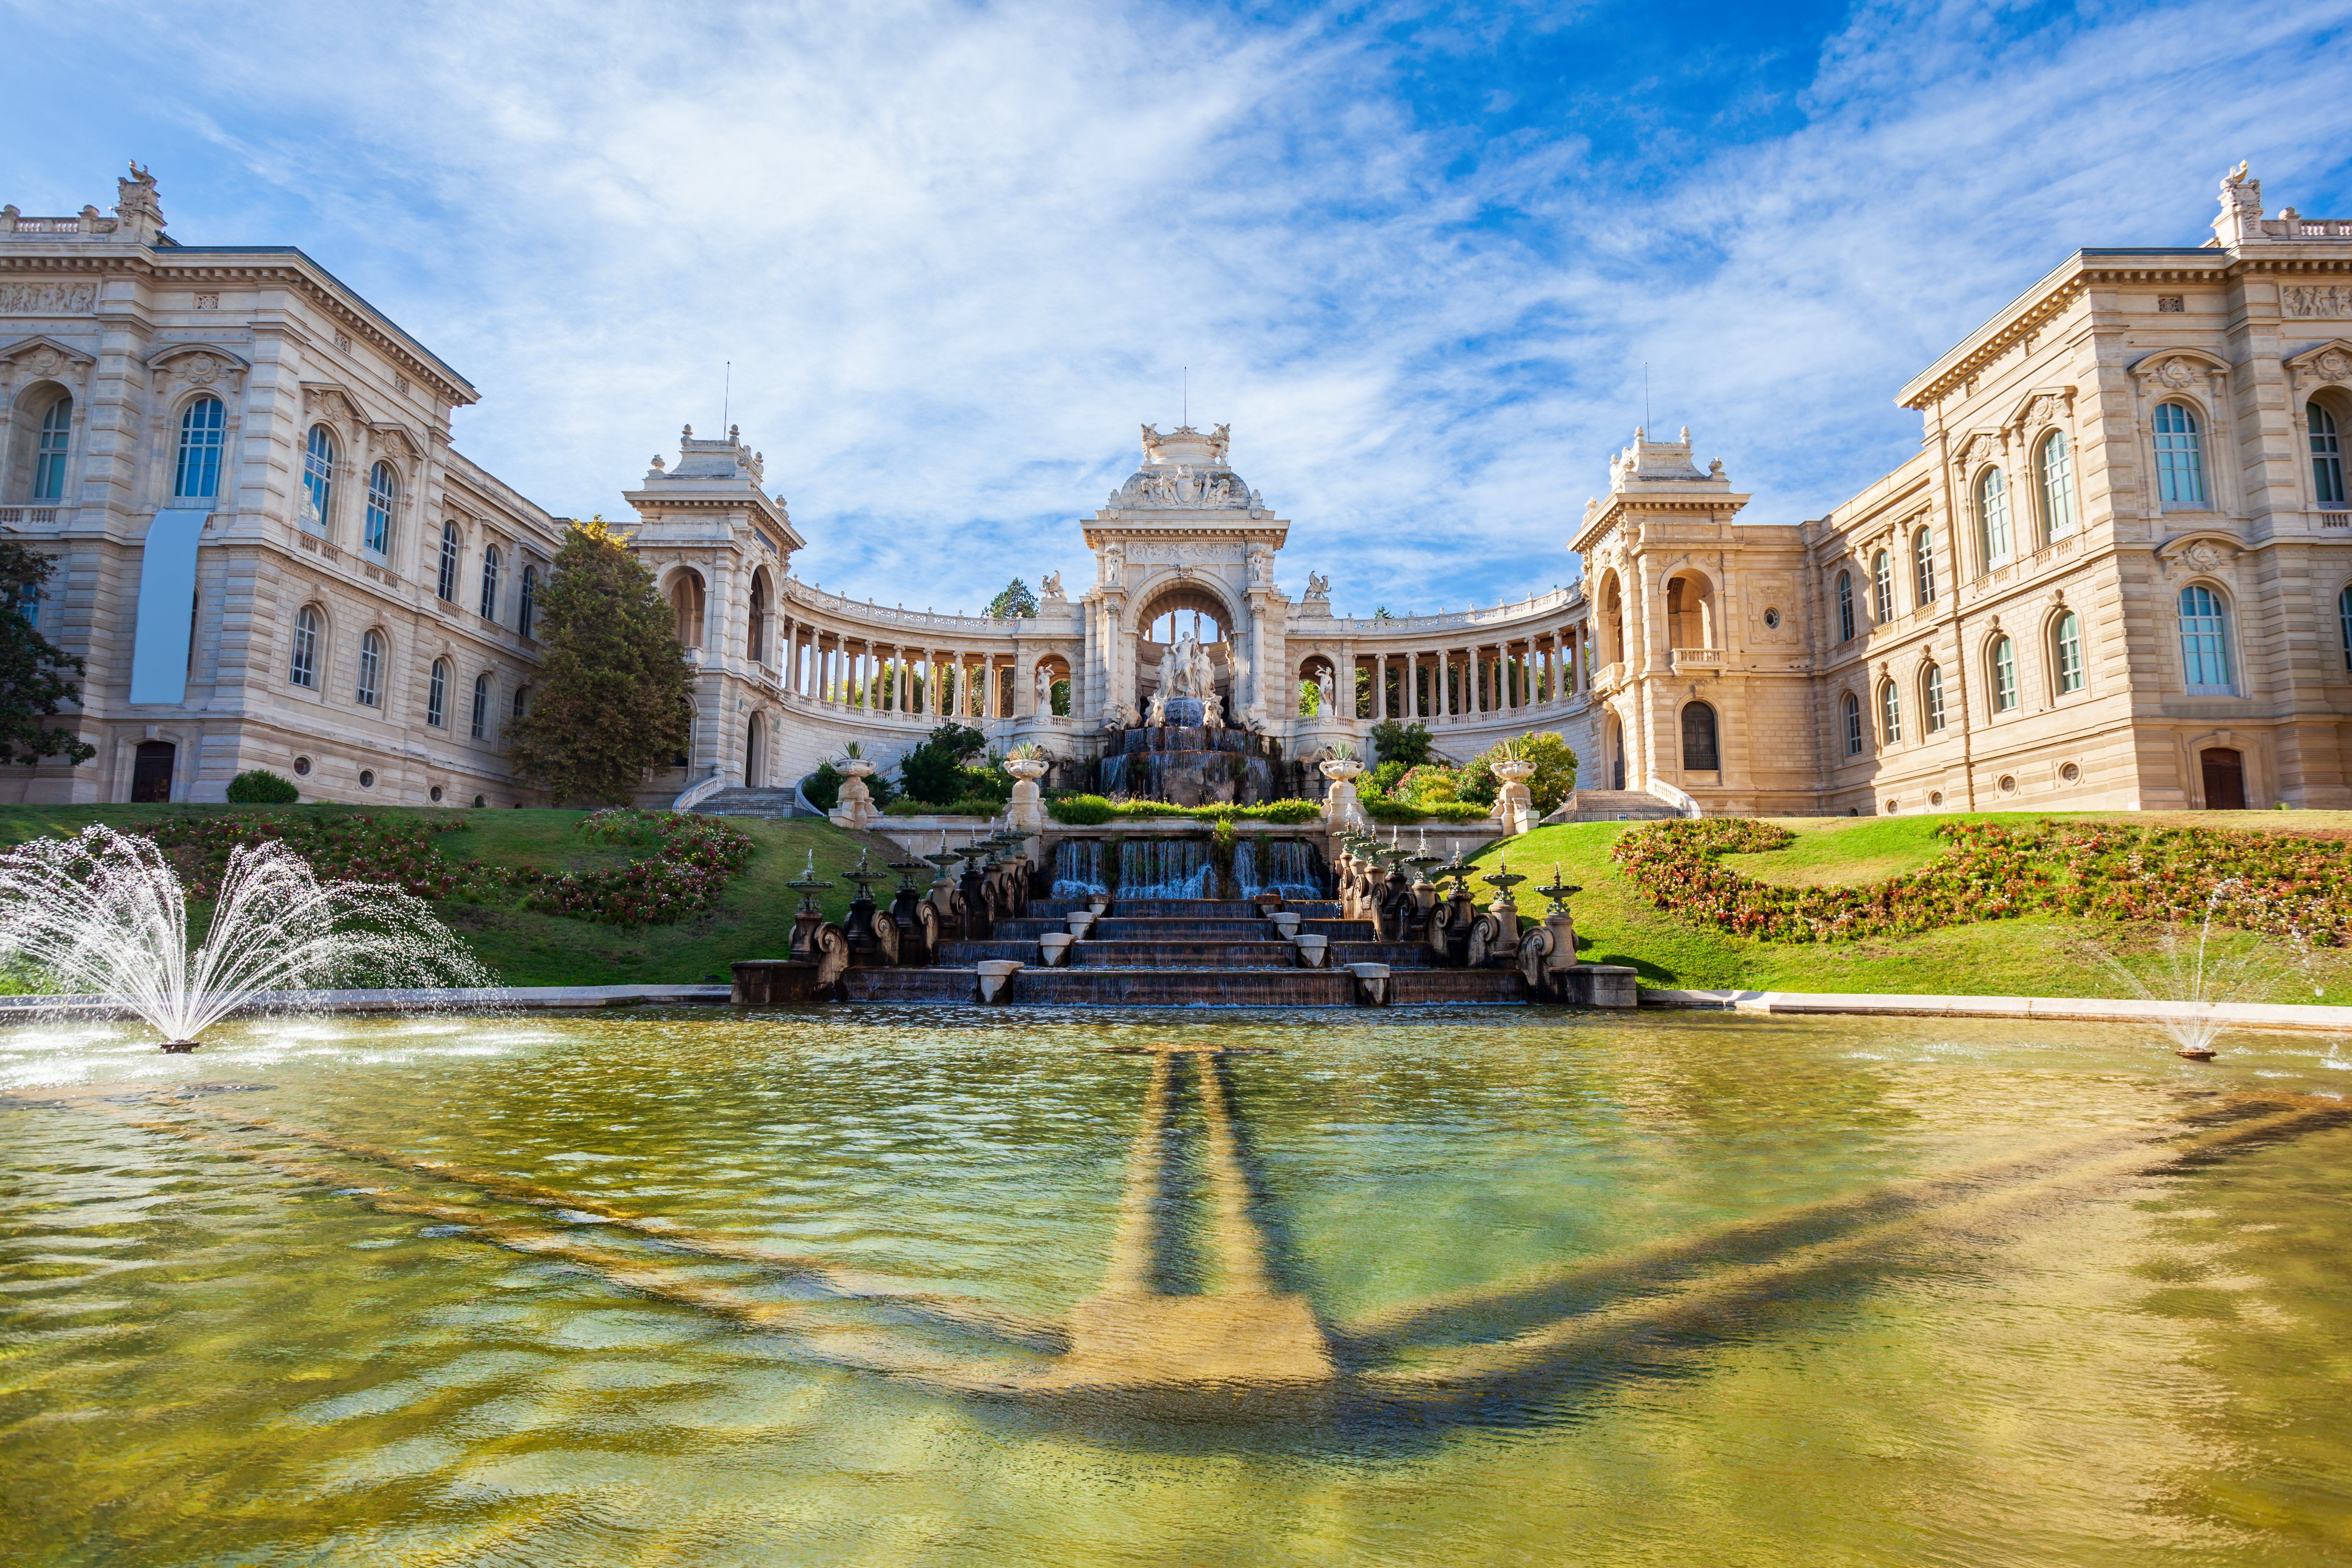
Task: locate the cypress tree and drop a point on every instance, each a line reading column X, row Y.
column 610, row 701
column 35, row 675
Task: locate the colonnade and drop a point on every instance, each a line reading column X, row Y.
column 849, row 671
column 1465, row 684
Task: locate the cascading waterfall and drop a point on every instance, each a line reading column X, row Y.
column 1079, row 869
column 1282, row 866
column 1166, row 868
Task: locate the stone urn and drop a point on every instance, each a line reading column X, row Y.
column 1313, row 951
column 855, row 807
column 1080, row 921
column 1515, row 804
column 996, row 978
column 1055, row 946
column 1339, row 807
column 1027, row 808
column 1287, row 922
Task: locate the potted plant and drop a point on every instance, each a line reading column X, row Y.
column 852, row 762
column 1343, row 765
column 1027, row 761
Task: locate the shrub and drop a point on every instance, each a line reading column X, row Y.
column 259, row 787
column 1289, row 811
column 933, row 770
column 1082, row 810
column 822, row 787
column 1394, row 741
column 1403, row 813
column 1383, row 779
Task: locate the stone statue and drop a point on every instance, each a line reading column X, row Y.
column 1324, row 684
column 1318, row 588
column 1045, row 688
column 1261, row 565
column 1113, row 565
column 1170, row 672
column 1159, row 713
column 1052, row 586
column 1203, row 673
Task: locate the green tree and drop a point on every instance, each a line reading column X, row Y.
column 610, row 701
column 35, row 675
column 934, row 772
column 1548, row 785
column 1396, row 741
column 1016, row 600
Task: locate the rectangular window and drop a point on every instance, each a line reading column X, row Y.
column 2069, row 653
column 2204, row 641
column 2004, row 676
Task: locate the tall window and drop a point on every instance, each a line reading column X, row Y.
column 304, row 669
column 371, row 686
column 2179, row 456
column 2327, row 456
column 2054, row 465
column 379, row 509
column 2005, row 675
column 1931, row 697
column 1882, row 588
column 1992, row 516
column 198, row 473
column 1890, row 711
column 481, row 706
column 491, row 584
column 2344, row 619
column 28, row 603
column 1853, row 725
column 436, row 695
column 522, row 700
column 2204, row 640
column 2068, row 635
column 1700, row 755
column 1845, row 606
column 527, row 611
column 447, row 587
column 50, row 451
column 1923, row 562
column 319, row 476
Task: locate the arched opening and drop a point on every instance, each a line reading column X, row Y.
column 755, row 634
column 1690, row 611
column 1612, row 621
column 755, row 735
column 1052, row 686
column 685, row 604
column 2223, row 770
column 1612, row 749
column 151, row 772
column 1699, row 753
column 1182, row 616
column 1320, row 695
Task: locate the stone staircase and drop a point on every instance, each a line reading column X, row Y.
column 1186, row 952
column 1613, row 806
column 741, row 801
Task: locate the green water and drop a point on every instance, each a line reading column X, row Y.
column 207, row 1358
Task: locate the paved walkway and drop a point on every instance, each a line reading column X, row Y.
column 2092, row 1009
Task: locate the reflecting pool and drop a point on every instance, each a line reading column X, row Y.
column 896, row 1286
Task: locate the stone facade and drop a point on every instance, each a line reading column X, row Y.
column 2116, row 573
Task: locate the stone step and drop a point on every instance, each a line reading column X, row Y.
column 940, row 984
column 1185, row 909
column 1396, row 954
column 1118, row 930
column 964, row 954
column 1613, row 806
column 1186, row 955
column 1422, row 987
column 741, row 801
column 1339, row 929
column 1027, row 929
column 1183, row 987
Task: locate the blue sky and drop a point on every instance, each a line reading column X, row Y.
column 1416, row 254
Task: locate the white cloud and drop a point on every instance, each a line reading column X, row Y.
column 956, row 253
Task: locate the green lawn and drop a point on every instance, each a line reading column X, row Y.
column 753, row 919
column 2035, row 956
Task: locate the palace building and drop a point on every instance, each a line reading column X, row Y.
column 2117, row 573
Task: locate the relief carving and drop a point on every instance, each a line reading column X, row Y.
column 47, row 299
column 2311, row 299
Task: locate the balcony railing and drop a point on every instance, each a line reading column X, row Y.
column 1698, row 659
column 27, row 516
column 2335, row 519
column 1607, row 679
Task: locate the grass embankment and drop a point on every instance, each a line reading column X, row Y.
column 753, row 919
column 2033, row 956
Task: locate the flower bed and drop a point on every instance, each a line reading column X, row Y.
column 694, row 859
column 1091, row 810
column 2260, row 881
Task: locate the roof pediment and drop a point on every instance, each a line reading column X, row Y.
column 54, row 353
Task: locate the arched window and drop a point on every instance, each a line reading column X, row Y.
column 2204, row 640
column 436, row 695
column 2179, row 456
column 2053, row 466
column 2344, row 619
column 1700, row 753
column 50, row 451
column 319, row 476
column 304, row 669
column 1923, row 565
column 2005, row 675
column 755, row 637
column 1931, row 697
column 371, row 686
column 522, row 700
column 447, row 588
column 1890, row 712
column 491, row 584
column 1882, row 588
column 1992, row 516
column 378, row 537
column 1853, row 725
column 481, row 706
column 2067, row 639
column 1845, row 606
column 527, row 609
column 2327, row 456
column 197, row 475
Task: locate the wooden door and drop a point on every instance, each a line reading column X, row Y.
column 2225, row 779
column 151, row 772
